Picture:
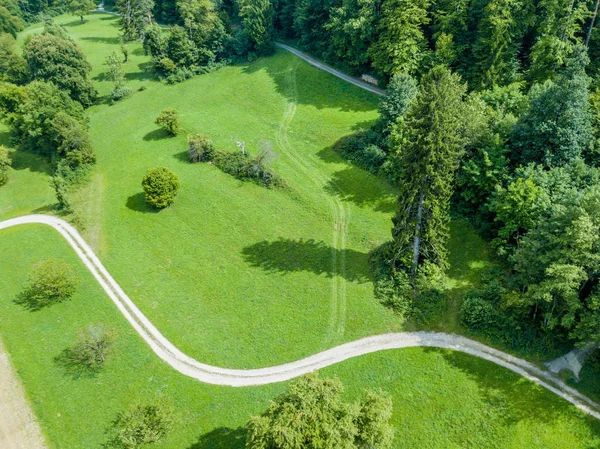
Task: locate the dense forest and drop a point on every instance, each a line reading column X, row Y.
column 492, row 112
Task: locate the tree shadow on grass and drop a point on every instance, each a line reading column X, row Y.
column 157, row 134
column 74, row 23
column 222, row 438
column 182, row 156
column 312, row 86
column 102, row 40
column 513, row 397
column 288, row 256
column 138, row 203
column 24, row 160
column 74, row 367
column 352, row 184
column 145, row 73
column 27, row 300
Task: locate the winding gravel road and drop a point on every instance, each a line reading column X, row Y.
column 238, row 377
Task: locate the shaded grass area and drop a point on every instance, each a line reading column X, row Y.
column 28, row 189
column 441, row 399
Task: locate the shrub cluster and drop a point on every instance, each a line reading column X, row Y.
column 364, row 150
column 119, row 93
column 200, row 148
column 488, row 313
column 239, row 165
column 176, row 57
column 243, row 166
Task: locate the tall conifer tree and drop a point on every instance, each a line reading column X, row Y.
column 431, row 143
column 401, row 44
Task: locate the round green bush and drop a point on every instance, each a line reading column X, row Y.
column 160, row 187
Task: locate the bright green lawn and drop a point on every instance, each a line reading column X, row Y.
column 241, row 276
column 441, row 399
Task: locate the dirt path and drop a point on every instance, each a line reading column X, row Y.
column 341, row 75
column 339, row 212
column 18, row 427
column 168, row 352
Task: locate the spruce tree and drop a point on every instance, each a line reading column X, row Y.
column 136, row 16
column 557, row 36
column 257, row 20
column 401, row 44
column 431, row 144
column 499, row 36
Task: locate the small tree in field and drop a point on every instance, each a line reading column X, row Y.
column 160, row 187
column 81, row 7
column 4, row 165
column 92, row 347
column 143, row 424
column 116, row 74
column 51, row 281
column 200, row 148
column 169, row 120
column 115, row 69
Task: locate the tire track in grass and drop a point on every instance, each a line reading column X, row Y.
column 337, row 317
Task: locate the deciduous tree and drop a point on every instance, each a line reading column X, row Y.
column 51, row 281
column 81, row 8
column 51, row 57
column 312, row 414
column 257, row 20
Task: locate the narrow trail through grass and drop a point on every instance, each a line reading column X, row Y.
column 339, row 211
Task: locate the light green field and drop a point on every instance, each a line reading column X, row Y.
column 441, row 399
column 241, row 276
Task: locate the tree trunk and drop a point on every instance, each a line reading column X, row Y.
column 417, row 238
column 589, row 33
column 564, row 33
column 81, row 17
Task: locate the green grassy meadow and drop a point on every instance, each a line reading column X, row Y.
column 441, row 399
column 240, row 276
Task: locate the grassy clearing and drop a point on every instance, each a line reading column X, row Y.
column 441, row 399
column 233, row 273
column 28, row 189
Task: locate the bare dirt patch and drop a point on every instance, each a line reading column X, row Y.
column 18, row 426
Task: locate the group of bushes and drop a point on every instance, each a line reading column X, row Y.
column 241, row 165
column 177, row 57
column 53, row 281
column 161, row 184
column 489, row 313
